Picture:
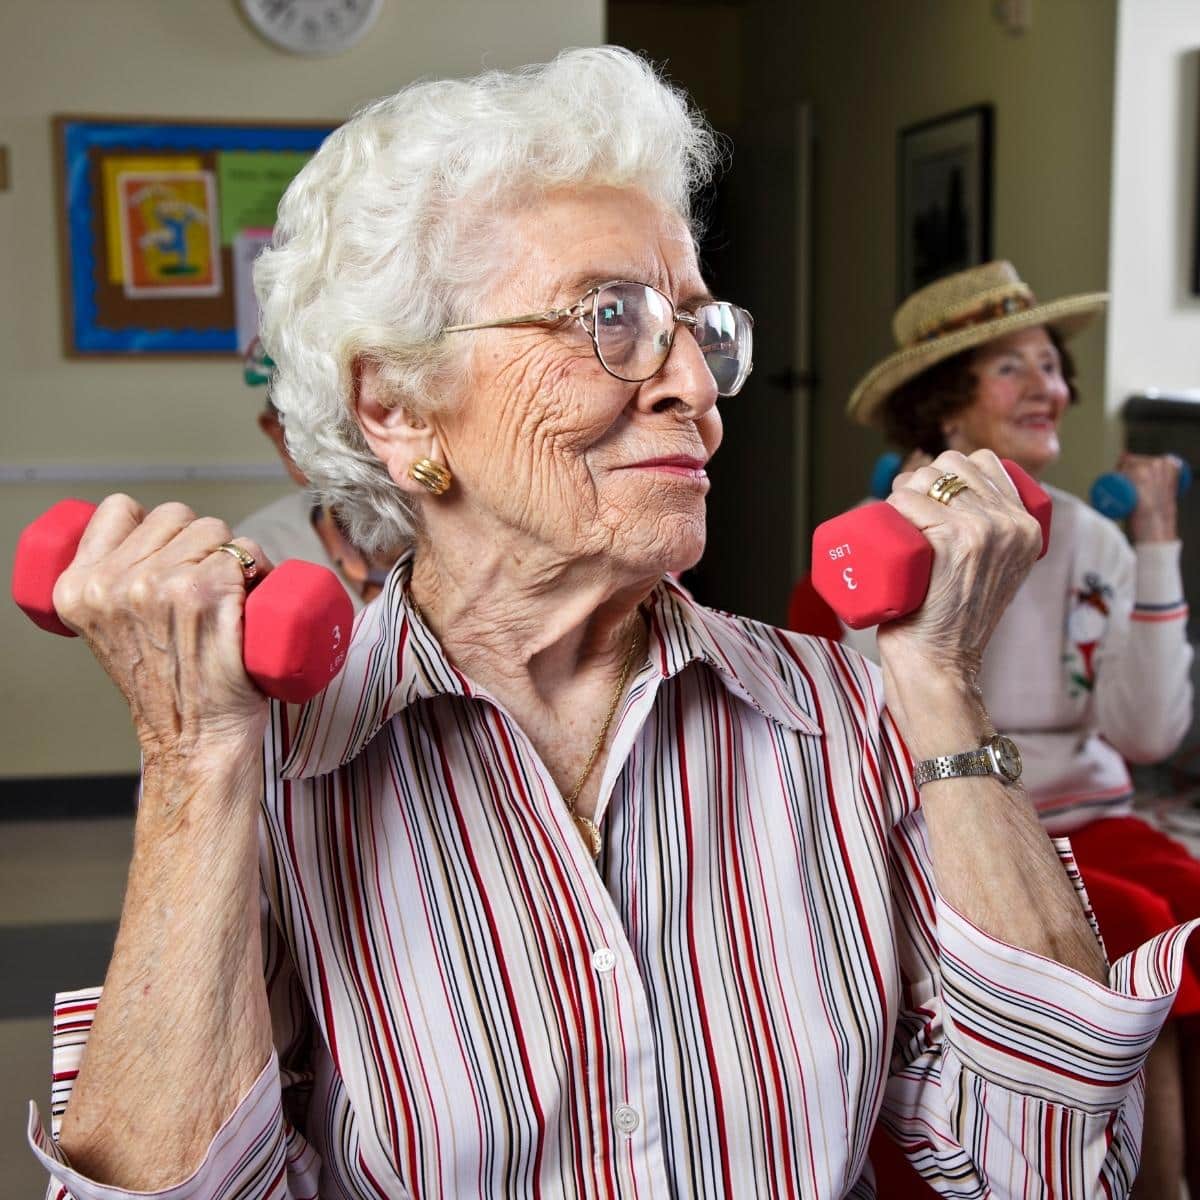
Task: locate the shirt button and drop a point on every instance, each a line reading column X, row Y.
column 627, row 1118
column 604, row 960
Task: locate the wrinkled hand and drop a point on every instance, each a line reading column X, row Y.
column 161, row 609
column 1156, row 478
column 984, row 542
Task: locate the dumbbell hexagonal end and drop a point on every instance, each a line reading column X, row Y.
column 45, row 549
column 298, row 625
column 883, row 474
column 1113, row 496
column 1185, row 477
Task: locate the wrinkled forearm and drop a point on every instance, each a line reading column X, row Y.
column 992, row 860
column 183, row 1028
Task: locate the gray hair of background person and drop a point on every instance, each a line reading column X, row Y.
column 383, row 240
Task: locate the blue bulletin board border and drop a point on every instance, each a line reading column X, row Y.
column 81, row 238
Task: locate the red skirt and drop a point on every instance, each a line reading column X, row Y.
column 1140, row 882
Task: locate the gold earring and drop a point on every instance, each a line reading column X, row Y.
column 430, row 475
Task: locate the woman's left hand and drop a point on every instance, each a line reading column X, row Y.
column 1156, row 478
column 984, row 542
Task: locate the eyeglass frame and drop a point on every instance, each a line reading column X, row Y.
column 579, row 309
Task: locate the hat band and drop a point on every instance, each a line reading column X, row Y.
column 980, row 316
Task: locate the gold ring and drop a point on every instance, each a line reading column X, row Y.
column 245, row 560
column 945, row 487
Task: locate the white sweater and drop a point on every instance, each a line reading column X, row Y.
column 1089, row 667
column 284, row 530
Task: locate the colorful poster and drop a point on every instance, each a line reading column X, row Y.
column 247, row 246
column 110, row 168
column 178, row 293
column 169, row 234
column 251, row 183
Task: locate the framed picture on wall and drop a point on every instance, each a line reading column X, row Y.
column 1195, row 272
column 158, row 224
column 944, row 177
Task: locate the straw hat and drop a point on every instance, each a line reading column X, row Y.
column 957, row 313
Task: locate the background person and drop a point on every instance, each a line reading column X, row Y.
column 298, row 525
column 569, row 886
column 1090, row 663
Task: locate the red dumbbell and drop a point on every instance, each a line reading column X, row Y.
column 297, row 620
column 871, row 565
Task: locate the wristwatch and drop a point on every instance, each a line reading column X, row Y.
column 997, row 756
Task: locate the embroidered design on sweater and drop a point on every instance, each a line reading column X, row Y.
column 1087, row 623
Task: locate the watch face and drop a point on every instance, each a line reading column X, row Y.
column 1008, row 757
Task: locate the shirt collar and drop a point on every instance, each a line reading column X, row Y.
column 394, row 661
column 755, row 662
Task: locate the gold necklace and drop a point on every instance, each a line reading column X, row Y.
column 587, row 829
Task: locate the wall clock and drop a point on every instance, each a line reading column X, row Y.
column 312, row 26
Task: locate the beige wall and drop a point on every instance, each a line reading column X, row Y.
column 58, row 715
column 872, row 68
column 1154, row 325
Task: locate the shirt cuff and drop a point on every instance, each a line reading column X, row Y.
column 245, row 1158
column 73, row 1016
column 1039, row 1028
column 1159, row 584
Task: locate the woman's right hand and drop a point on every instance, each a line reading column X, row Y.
column 161, row 608
column 1156, row 478
column 984, row 542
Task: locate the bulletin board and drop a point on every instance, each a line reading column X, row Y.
column 159, row 222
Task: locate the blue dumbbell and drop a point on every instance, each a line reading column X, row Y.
column 1116, row 497
column 883, row 474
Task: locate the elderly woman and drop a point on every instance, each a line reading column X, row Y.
column 1089, row 666
column 566, row 886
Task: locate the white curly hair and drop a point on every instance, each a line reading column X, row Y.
column 380, row 240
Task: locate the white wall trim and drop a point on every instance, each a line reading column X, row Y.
column 267, row 472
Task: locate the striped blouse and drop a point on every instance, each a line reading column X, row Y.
column 757, row 970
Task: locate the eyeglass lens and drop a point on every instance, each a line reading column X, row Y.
column 634, row 326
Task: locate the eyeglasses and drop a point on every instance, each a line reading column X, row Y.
column 632, row 327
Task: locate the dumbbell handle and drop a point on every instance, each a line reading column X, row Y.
column 297, row 620
column 871, row 565
column 1114, row 495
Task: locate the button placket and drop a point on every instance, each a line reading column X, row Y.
column 624, row 993
column 626, row 1118
column 603, row 960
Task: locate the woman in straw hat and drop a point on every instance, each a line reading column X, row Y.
column 1089, row 666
